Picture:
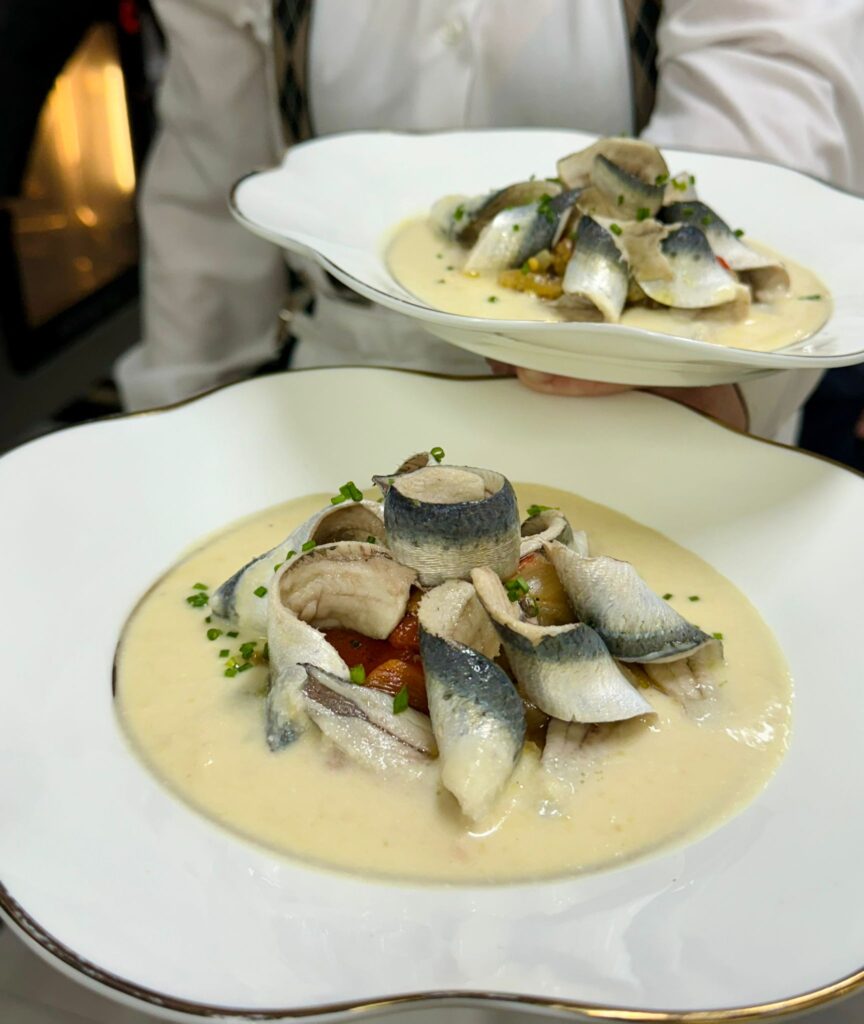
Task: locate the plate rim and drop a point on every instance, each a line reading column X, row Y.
column 773, row 359
column 52, row 949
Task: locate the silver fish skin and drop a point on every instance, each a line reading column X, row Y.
column 597, row 273
column 633, row 622
column 693, row 681
column 292, row 645
column 722, row 239
column 547, row 526
column 349, row 585
column 445, row 520
column 519, row 232
column 698, row 281
column 566, row 671
column 629, row 191
column 474, row 221
column 235, row 600
column 346, row 584
column 478, row 719
column 361, row 722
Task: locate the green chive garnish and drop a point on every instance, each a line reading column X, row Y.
column 661, row 179
column 259, row 591
column 809, row 298
column 717, row 636
column 246, row 667
column 357, row 674
column 620, row 200
column 437, row 453
column 680, row 185
column 289, row 554
column 400, row 701
column 667, row 597
column 516, row 227
column 707, row 220
column 232, row 633
column 439, row 255
column 197, row 600
column 615, row 229
column 308, row 545
column 214, row 634
column 459, row 212
column 247, row 649
column 738, row 232
column 371, row 540
column 687, row 211
column 440, row 280
column 517, row 588
column 199, row 586
column 692, row 179
column 535, row 510
column 230, row 672
column 693, row 597
column 278, row 566
column 338, row 499
column 643, row 213
column 224, row 652
column 492, row 298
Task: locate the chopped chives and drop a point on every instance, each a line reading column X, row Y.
column 459, row 212
column 214, row 634
column 516, row 227
column 738, row 232
column 246, row 667
column 278, row 566
column 199, row 586
column 440, row 280
column 693, row 597
column 224, row 653
column 517, row 588
column 357, row 674
column 661, row 179
column 439, row 255
column 717, row 636
column 437, row 453
column 535, row 510
column 338, row 499
column 692, row 179
column 643, row 213
column 371, row 540
column 620, row 200
column 707, row 220
column 230, row 672
column 680, row 185
column 308, row 545
column 197, row 600
column 492, row 298
column 667, row 597
column 809, row 298
column 615, row 229
column 259, row 591
column 247, row 649
column 232, row 633
column 400, row 701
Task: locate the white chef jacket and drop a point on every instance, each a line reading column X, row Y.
column 782, row 79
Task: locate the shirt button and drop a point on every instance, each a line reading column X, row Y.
column 453, row 30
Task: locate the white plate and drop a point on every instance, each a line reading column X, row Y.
column 111, row 876
column 338, row 198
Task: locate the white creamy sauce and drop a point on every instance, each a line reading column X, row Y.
column 666, row 779
column 429, row 267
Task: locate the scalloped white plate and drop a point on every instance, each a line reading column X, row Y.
column 338, row 198
column 114, row 879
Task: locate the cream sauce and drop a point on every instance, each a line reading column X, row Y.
column 430, row 268
column 668, row 780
